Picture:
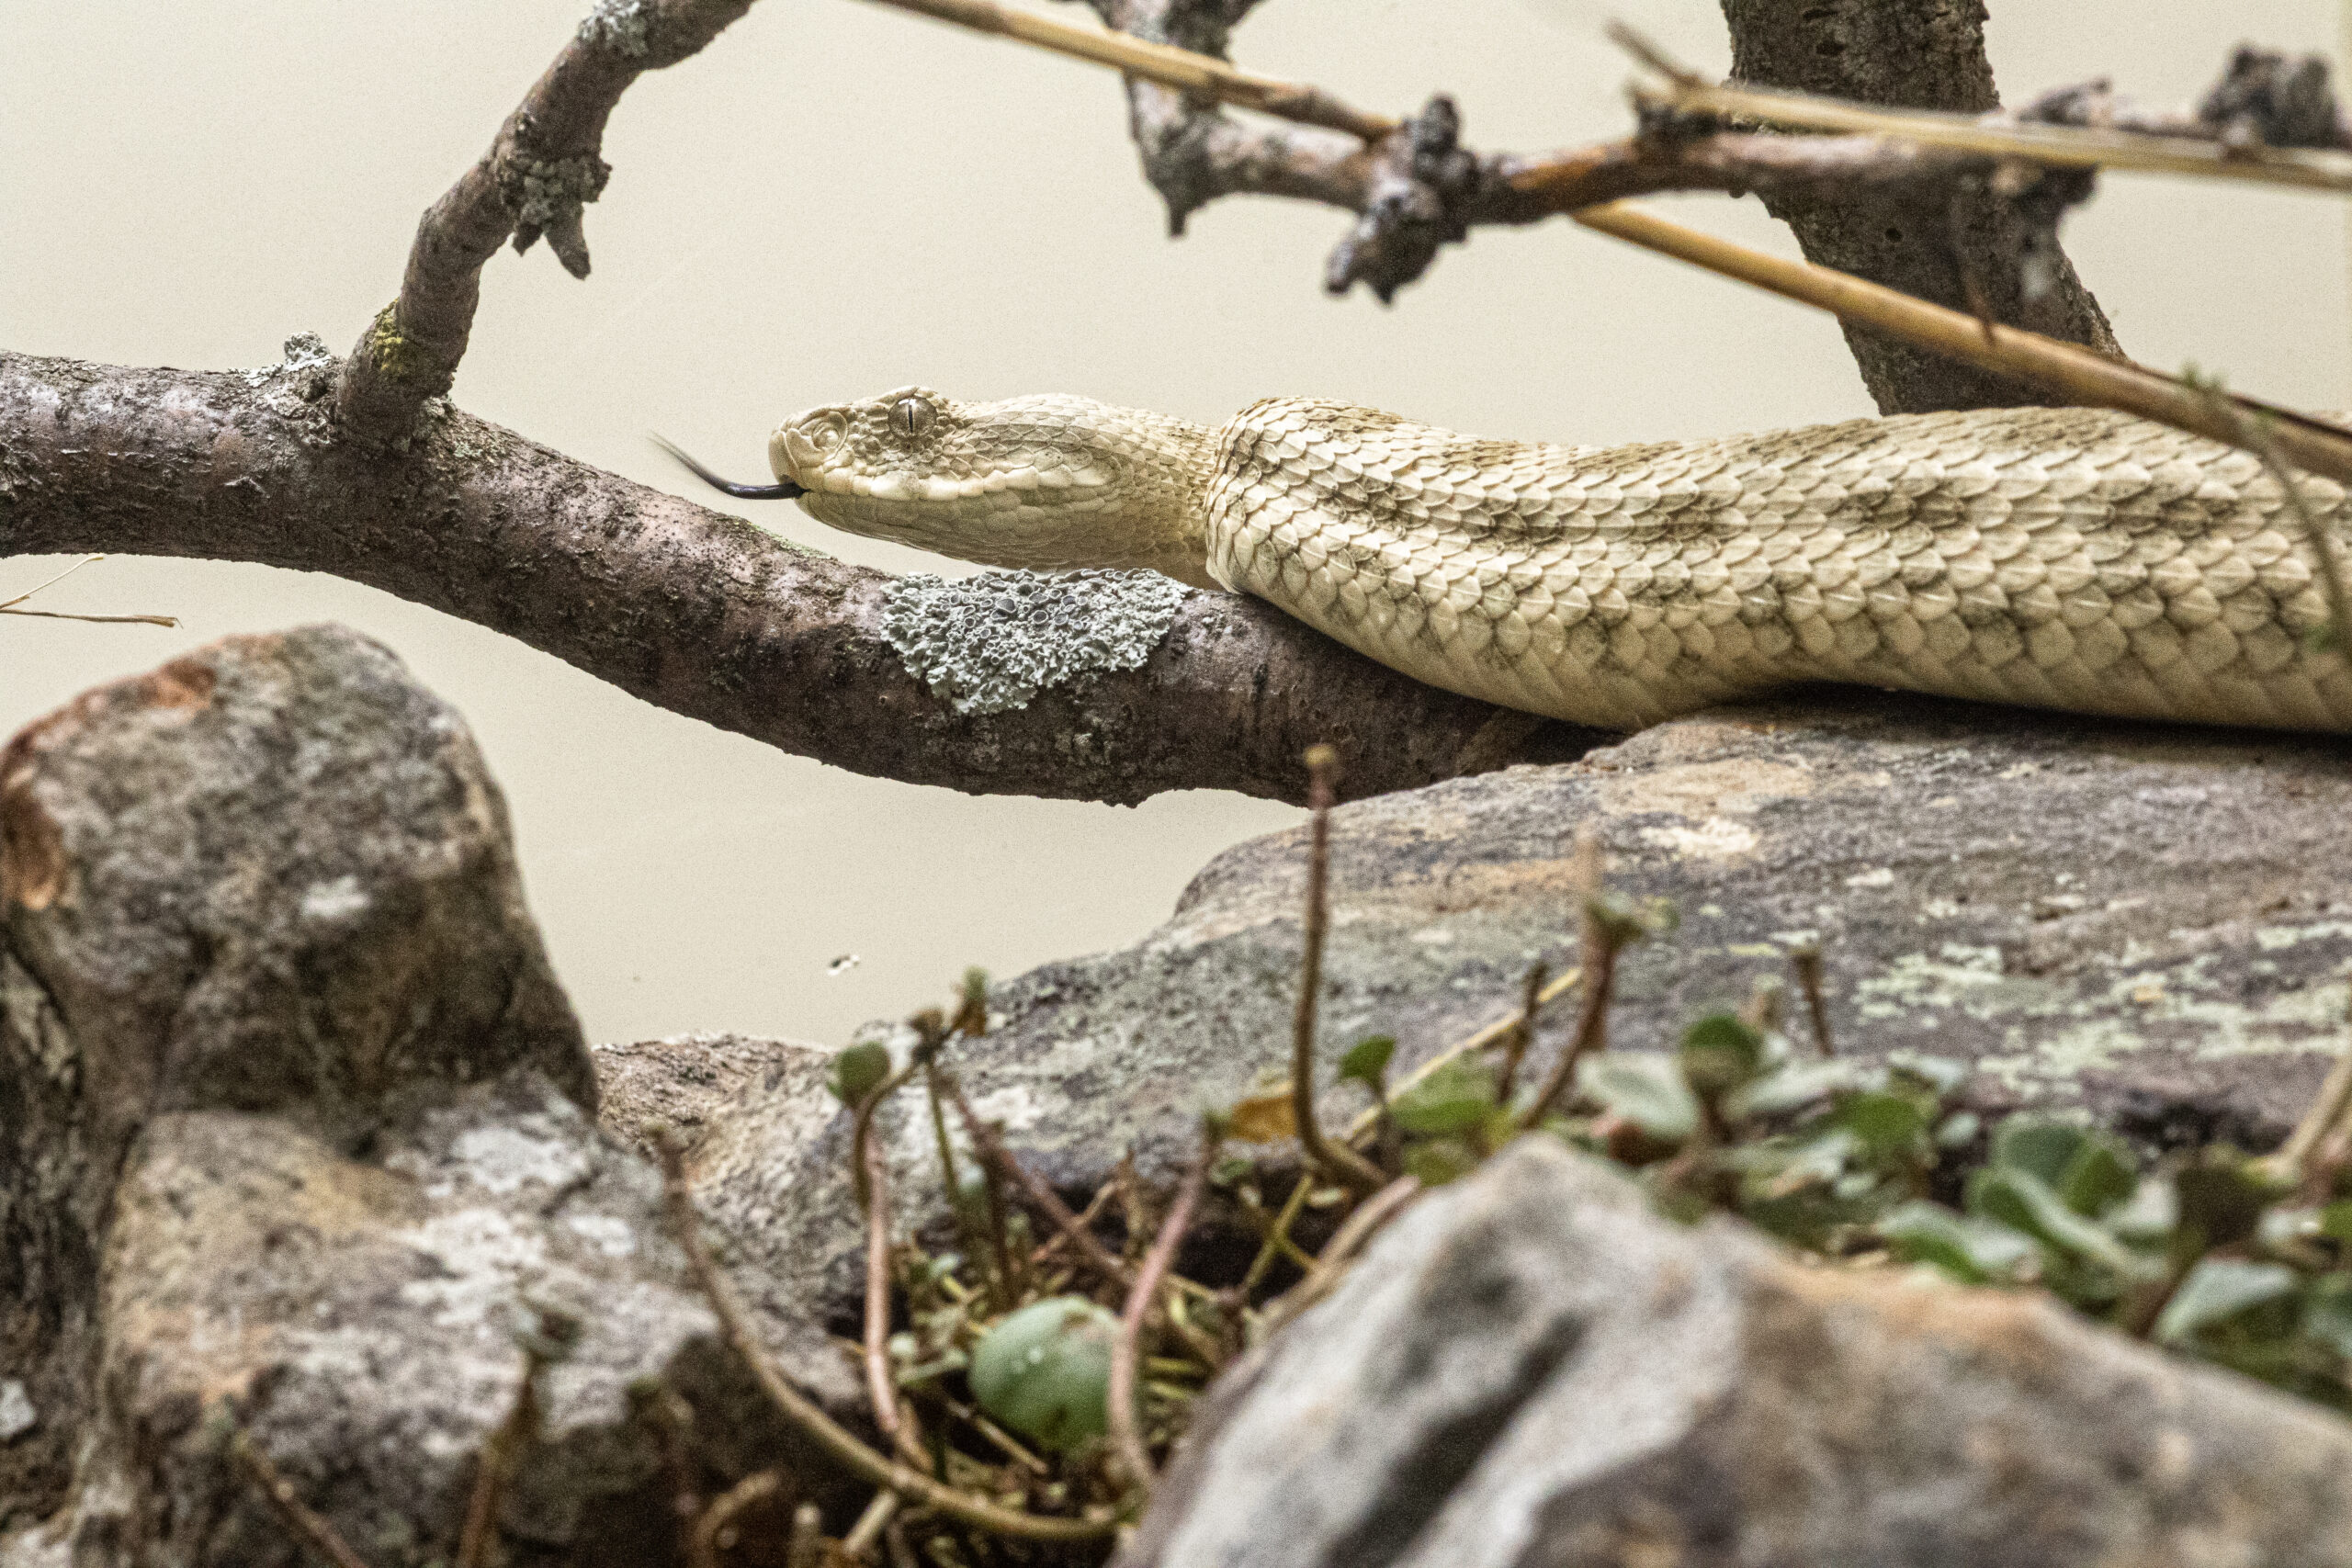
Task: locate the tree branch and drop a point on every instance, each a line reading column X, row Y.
column 697, row 613
column 545, row 165
column 1924, row 54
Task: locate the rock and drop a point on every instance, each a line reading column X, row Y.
column 368, row 1316
column 685, row 1082
column 1529, row 1367
column 297, row 1132
column 2148, row 924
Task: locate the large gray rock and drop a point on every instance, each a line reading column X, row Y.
column 1529, row 1368
column 297, row 1130
column 2149, row 924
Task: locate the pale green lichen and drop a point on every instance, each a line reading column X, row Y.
column 619, row 26
column 991, row 642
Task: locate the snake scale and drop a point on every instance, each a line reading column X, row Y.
column 2069, row 558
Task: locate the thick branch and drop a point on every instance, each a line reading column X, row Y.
column 544, row 165
column 1919, row 54
column 695, row 611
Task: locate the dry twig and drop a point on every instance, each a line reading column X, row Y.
column 1600, row 945
column 1322, row 1154
column 836, row 1441
column 12, row 606
column 716, row 1530
column 1346, row 1242
column 1127, row 1432
column 998, row 1158
column 2058, row 146
column 2075, row 373
column 311, row 1529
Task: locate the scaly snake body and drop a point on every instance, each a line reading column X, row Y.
column 2069, row 558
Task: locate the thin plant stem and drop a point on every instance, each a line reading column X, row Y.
column 859, row 1543
column 881, row 1388
column 2062, row 146
column 1485, row 1035
column 1127, row 1432
column 1522, row 1036
column 716, row 1531
column 1600, row 946
column 495, row 1467
column 1085, row 1225
column 1322, row 1154
column 997, row 1157
column 836, row 1441
column 1805, row 957
column 311, row 1529
column 1346, row 1242
column 1278, row 1243
column 806, row 1549
column 2075, row 373
column 9, row 606
column 1201, row 75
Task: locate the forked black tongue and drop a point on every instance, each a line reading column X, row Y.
column 783, row 490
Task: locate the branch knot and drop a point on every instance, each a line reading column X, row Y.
column 1424, row 187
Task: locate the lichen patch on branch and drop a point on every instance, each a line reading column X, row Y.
column 990, row 643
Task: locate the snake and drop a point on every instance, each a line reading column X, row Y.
column 2070, row 558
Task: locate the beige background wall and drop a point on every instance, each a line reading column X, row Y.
column 835, row 199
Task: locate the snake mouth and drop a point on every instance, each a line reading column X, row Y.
column 783, row 490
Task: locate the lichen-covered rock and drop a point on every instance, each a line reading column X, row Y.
column 1530, row 1367
column 682, row 1084
column 2151, row 925
column 297, row 1128
column 366, row 1319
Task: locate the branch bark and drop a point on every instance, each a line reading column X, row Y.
column 544, row 165
column 1917, row 55
column 696, row 612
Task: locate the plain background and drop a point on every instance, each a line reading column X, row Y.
column 836, row 198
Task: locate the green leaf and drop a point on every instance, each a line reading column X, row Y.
column 2328, row 1313
column 1719, row 1054
column 2336, row 1220
column 2041, row 1149
column 1045, row 1371
column 1937, row 1074
column 1646, row 1090
column 2017, row 1199
column 858, row 1070
column 2219, row 1289
column 1886, row 1125
column 2147, row 1218
column 1959, row 1130
column 1793, row 1088
column 1436, row 1161
column 1367, row 1060
column 2222, row 1197
column 1455, row 1098
column 2100, row 1177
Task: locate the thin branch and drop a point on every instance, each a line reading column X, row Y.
column 837, row 1441
column 1127, row 1433
column 1181, row 69
column 494, row 1467
column 993, row 1153
column 9, row 606
column 1350, row 1240
column 2059, row 146
column 311, row 1529
column 1805, row 957
column 1600, row 944
column 1522, row 1034
column 545, row 163
column 1322, row 1154
column 874, row 1172
column 696, row 612
column 716, row 1532
column 1366, row 1122
column 2077, row 373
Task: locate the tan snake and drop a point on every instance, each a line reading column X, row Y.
column 2070, row 558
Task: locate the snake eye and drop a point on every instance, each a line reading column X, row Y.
column 911, row 417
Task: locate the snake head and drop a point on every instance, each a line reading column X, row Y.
column 1047, row 482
